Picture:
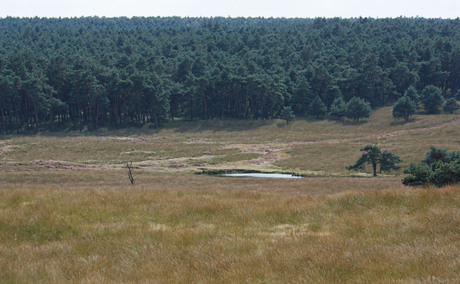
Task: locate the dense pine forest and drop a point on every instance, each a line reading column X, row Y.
column 87, row 73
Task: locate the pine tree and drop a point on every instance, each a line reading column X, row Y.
column 357, row 109
column 404, row 107
column 450, row 105
column 412, row 93
column 287, row 114
column 373, row 155
column 388, row 161
column 432, row 99
column 439, row 167
column 317, row 108
column 338, row 108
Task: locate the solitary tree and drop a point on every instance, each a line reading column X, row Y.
column 404, row 107
column 358, row 108
column 374, row 156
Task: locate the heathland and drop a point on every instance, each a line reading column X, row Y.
column 68, row 212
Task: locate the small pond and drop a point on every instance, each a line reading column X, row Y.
column 241, row 173
column 261, row 175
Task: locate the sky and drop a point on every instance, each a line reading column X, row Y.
column 232, row 8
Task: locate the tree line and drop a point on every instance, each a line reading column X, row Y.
column 91, row 72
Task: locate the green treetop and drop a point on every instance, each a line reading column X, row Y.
column 317, row 108
column 373, row 155
column 358, row 108
column 404, row 107
column 432, row 99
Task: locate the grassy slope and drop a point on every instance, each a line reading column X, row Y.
column 68, row 213
column 308, row 147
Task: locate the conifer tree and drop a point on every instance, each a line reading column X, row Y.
column 357, row 109
column 287, row 114
column 373, row 155
column 432, row 99
column 404, row 107
column 338, row 108
column 317, row 108
column 450, row 105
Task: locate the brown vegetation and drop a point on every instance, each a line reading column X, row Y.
column 69, row 214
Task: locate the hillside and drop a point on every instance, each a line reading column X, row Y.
column 68, row 212
column 88, row 73
column 309, row 147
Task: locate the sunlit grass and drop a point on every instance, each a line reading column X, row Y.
column 322, row 147
column 68, row 212
column 124, row 233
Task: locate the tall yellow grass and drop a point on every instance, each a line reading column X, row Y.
column 69, row 214
column 199, row 231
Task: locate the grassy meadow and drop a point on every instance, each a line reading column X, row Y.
column 68, row 212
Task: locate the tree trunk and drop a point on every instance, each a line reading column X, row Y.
column 123, row 112
column 97, row 117
column 246, row 108
column 35, row 118
column 205, row 104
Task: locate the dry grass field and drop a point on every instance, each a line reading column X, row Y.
column 68, row 212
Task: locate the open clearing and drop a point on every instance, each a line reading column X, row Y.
column 69, row 214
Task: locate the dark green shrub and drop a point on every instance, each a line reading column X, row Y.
column 439, row 167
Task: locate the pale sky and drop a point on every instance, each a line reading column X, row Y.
column 232, row 8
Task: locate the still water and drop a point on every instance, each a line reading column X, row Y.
column 261, row 175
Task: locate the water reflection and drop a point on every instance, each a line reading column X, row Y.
column 261, row 175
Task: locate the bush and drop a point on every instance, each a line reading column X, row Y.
column 358, row 108
column 419, row 174
column 439, row 168
column 404, row 107
column 446, row 173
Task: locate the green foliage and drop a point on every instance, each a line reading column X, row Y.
column 287, row 114
column 412, row 93
column 373, row 155
column 302, row 95
column 432, row 99
column 419, row 174
column 87, row 73
column 404, row 107
column 439, row 167
column 357, row 108
column 388, row 161
column 439, row 155
column 317, row 108
column 450, row 105
column 445, row 173
column 339, row 108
